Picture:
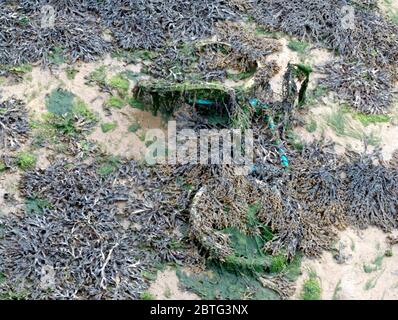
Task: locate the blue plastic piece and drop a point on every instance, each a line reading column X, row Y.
column 253, row 102
column 204, row 102
column 283, row 157
column 285, row 160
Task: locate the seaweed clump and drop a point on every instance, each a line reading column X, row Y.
column 359, row 37
column 150, row 24
column 236, row 52
column 81, row 244
column 371, row 191
column 14, row 125
column 369, row 90
column 25, row 40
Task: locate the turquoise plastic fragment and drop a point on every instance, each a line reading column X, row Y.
column 284, row 160
column 253, row 102
column 204, row 102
